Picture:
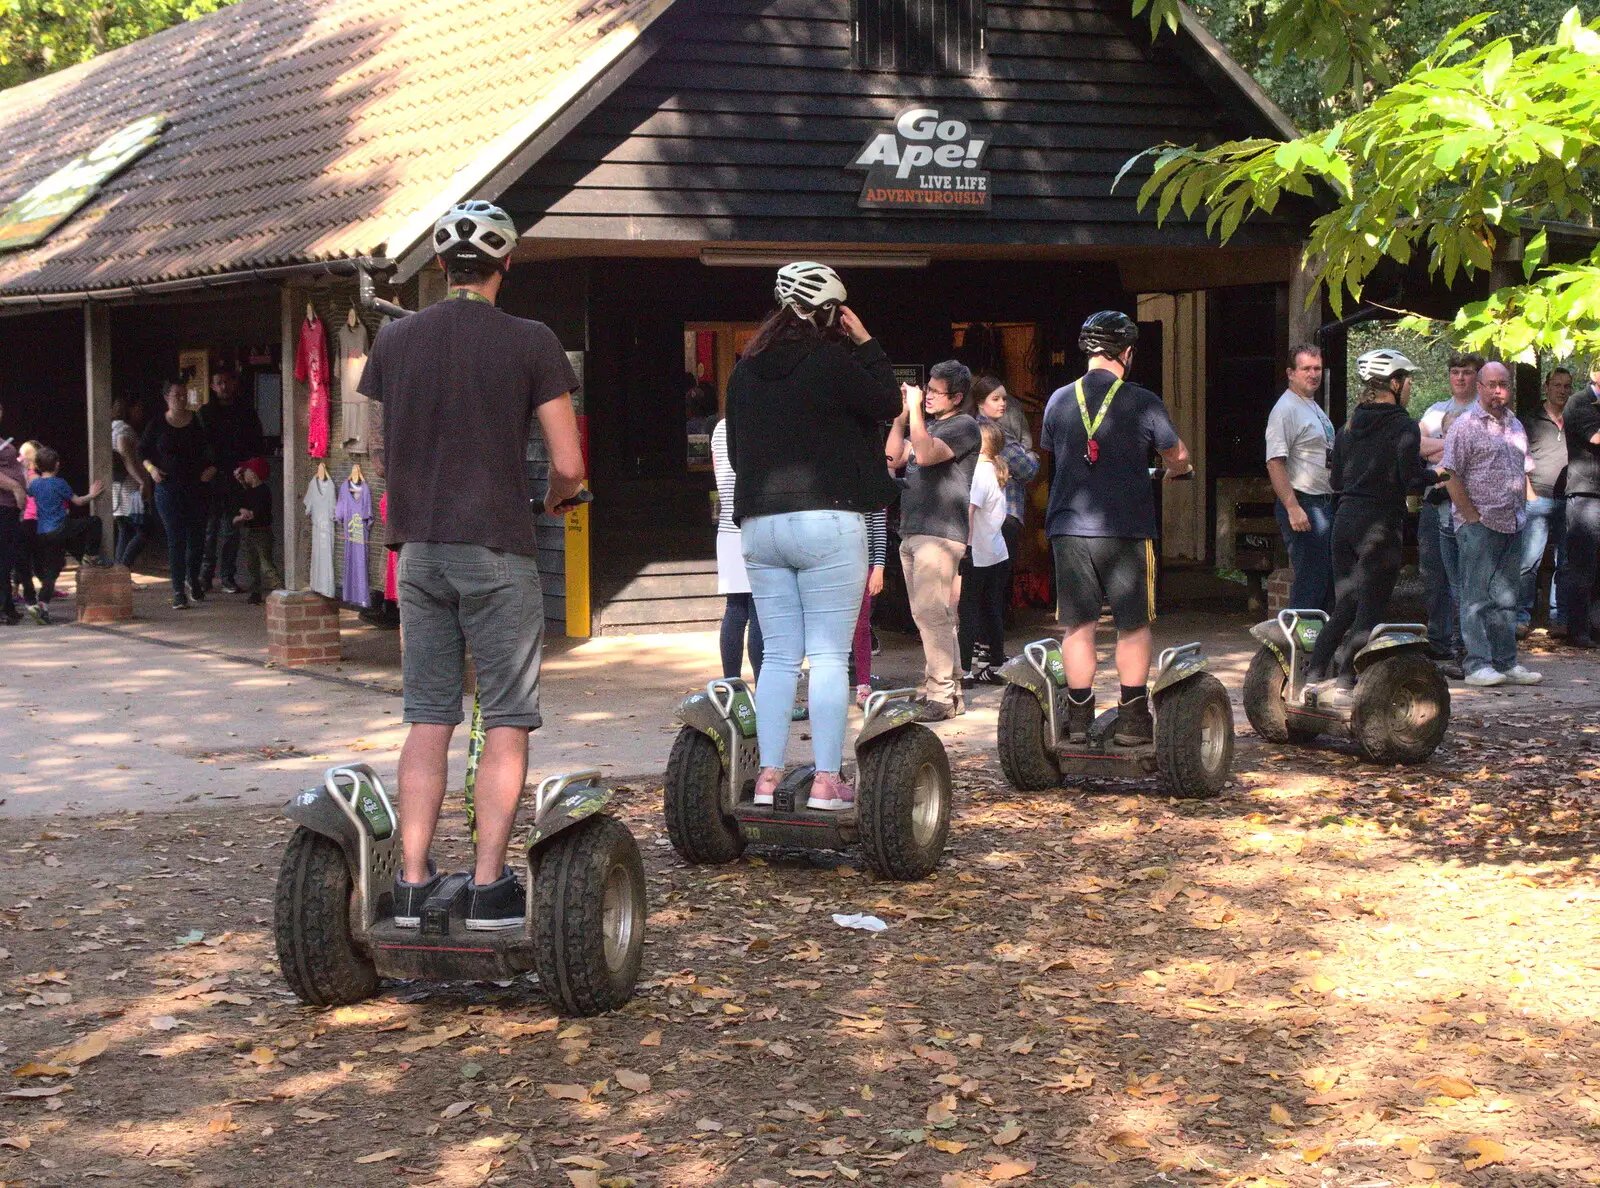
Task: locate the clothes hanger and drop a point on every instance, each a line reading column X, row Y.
column 356, row 477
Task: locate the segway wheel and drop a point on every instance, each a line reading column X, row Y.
column 315, row 897
column 1401, row 709
column 1194, row 737
column 1264, row 702
column 692, row 802
column 588, row 916
column 1023, row 735
column 903, row 802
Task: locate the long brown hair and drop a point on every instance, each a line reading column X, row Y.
column 784, row 325
column 994, row 440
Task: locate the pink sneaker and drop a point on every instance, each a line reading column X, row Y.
column 830, row 793
column 767, row 783
column 862, row 693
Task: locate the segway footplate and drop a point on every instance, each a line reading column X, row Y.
column 1102, row 757
column 787, row 822
column 442, row 950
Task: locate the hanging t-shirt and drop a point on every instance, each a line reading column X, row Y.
column 459, row 383
column 354, row 513
column 352, row 404
column 322, row 496
column 1112, row 496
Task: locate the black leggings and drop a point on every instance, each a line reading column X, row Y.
column 739, row 614
column 983, row 610
column 1366, row 560
column 1583, row 546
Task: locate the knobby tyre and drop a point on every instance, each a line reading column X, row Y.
column 1023, row 737
column 589, row 916
column 312, row 906
column 1194, row 737
column 903, row 802
column 1401, row 710
column 692, row 799
column 1265, row 687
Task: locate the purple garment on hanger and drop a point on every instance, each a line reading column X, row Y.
column 354, row 513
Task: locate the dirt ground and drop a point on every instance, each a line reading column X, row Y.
column 1332, row 975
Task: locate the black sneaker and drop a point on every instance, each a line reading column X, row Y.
column 41, row 613
column 1134, row 725
column 230, row 588
column 877, row 646
column 1453, row 670
column 1080, row 716
column 988, row 675
column 502, row 904
column 254, row 599
column 409, row 898
column 180, row 601
column 197, row 593
column 1583, row 642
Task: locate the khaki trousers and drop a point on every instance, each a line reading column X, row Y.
column 931, row 564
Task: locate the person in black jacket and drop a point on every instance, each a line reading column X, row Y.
column 805, row 407
column 1581, row 426
column 1376, row 464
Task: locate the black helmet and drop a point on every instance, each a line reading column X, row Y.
column 1109, row 332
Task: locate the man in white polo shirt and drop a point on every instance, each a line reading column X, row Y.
column 1299, row 447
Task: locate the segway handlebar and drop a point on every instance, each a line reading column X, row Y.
column 1160, row 472
column 583, row 496
column 551, row 787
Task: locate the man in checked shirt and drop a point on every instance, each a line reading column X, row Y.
column 1486, row 453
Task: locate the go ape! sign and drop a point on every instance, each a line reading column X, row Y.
column 928, row 163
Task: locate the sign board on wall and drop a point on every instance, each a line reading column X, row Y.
column 57, row 198
column 926, row 162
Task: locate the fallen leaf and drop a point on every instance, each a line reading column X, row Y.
column 1008, row 1134
column 20, row 1141
column 1487, row 1151
column 163, row 1023
column 1420, row 1170
column 1320, row 1080
column 1457, row 1087
column 583, row 1179
column 433, row 1039
column 1131, row 1139
column 34, row 1069
column 1280, row 1115
column 222, row 1123
column 805, row 1173
column 948, row 1146
column 308, row 1115
column 261, row 1057
column 379, row 1156
column 653, row 1040
column 568, row 1092
column 1222, row 983
column 39, row 1091
column 1323, row 984
column 636, row 1082
column 942, row 1110
column 588, row 1161
column 1312, row 1154
column 510, row 1031
column 1011, row 1169
column 455, row 1109
column 84, row 1050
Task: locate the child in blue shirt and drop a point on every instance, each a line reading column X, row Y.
column 59, row 531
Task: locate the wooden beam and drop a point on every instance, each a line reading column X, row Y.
column 293, row 480
column 97, row 386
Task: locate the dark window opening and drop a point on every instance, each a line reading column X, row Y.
column 920, row 36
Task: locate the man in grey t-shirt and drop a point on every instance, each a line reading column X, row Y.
column 1299, row 450
column 937, row 441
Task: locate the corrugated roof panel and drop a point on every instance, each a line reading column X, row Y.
column 300, row 130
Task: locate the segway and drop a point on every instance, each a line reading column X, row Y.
column 901, row 818
column 1398, row 713
column 1193, row 746
column 585, row 912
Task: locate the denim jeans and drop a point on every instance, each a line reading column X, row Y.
column 807, row 570
column 1545, row 524
column 1310, row 552
column 1489, row 573
column 221, row 533
column 129, row 536
column 183, row 515
column 1438, row 557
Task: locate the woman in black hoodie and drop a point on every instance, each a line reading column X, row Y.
column 805, row 408
column 1376, row 464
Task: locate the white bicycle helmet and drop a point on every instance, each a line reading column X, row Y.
column 474, row 232
column 1383, row 363
column 810, row 289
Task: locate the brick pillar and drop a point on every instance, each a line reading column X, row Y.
column 302, row 628
column 1279, row 583
column 105, row 594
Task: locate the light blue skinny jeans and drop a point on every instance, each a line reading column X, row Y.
column 807, row 570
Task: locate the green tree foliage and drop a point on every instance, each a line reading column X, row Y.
column 1323, row 59
column 1467, row 154
column 38, row 36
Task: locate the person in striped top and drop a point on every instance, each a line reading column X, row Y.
column 877, row 558
column 741, row 630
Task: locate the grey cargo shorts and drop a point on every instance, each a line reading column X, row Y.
column 459, row 596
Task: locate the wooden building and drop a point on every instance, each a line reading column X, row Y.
column 954, row 159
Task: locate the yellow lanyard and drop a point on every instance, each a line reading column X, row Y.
column 1091, row 427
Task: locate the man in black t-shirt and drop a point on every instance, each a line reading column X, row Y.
column 461, row 383
column 936, row 440
column 1101, row 519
